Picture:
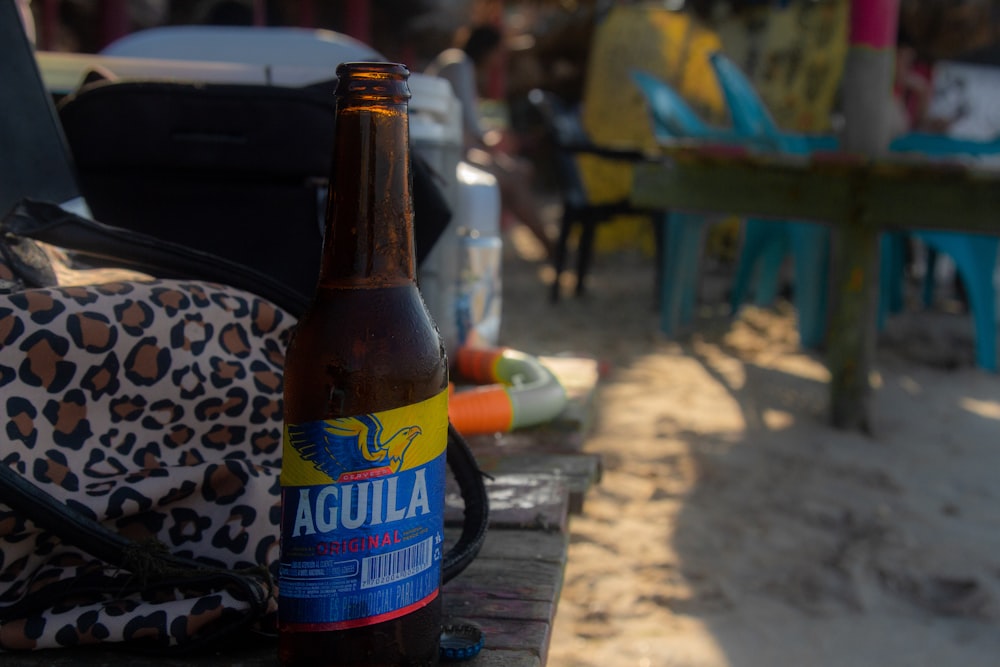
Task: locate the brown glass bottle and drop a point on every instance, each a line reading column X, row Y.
column 364, row 372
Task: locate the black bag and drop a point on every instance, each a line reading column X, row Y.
column 236, row 170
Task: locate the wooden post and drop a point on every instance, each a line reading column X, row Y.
column 868, row 80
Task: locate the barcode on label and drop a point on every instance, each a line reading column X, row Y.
column 396, row 565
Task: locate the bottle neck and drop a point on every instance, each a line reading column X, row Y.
column 369, row 215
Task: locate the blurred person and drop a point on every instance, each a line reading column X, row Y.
column 467, row 69
column 913, row 90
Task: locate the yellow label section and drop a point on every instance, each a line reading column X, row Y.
column 365, row 447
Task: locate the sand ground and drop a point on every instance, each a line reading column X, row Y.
column 733, row 526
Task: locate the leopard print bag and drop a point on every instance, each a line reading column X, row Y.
column 153, row 409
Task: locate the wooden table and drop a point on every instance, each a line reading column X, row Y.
column 859, row 197
column 539, row 477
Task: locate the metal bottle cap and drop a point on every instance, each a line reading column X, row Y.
column 460, row 641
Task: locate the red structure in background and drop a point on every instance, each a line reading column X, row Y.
column 357, row 20
column 48, row 19
column 114, row 19
column 874, row 23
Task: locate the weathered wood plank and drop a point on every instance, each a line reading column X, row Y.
column 586, row 467
column 476, row 606
column 511, row 580
column 512, row 589
column 911, row 196
column 551, row 438
column 576, row 472
column 902, row 192
column 520, row 545
column 503, row 655
column 518, row 500
column 741, row 186
column 505, row 658
column 507, row 635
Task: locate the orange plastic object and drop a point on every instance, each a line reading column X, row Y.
column 479, row 364
column 481, row 410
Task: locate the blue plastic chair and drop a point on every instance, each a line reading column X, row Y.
column 670, row 113
column 893, row 259
column 975, row 255
column 672, row 118
column 767, row 242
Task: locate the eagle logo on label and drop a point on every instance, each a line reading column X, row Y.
column 352, row 448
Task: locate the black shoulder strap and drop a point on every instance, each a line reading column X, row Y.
column 106, row 245
column 477, row 507
column 150, row 565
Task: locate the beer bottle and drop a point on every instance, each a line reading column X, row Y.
column 366, row 421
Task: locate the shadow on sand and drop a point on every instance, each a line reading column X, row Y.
column 734, row 526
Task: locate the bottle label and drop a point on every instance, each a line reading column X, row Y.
column 362, row 516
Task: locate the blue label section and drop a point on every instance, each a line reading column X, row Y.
column 360, row 552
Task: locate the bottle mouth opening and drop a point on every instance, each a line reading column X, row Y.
column 373, row 80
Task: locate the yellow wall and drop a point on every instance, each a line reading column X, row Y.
column 795, row 57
